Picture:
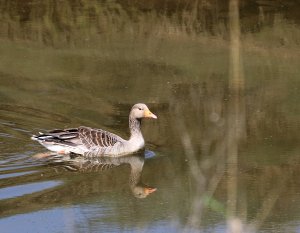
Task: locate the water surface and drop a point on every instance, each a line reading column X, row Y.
column 217, row 156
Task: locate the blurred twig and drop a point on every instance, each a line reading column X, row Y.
column 235, row 118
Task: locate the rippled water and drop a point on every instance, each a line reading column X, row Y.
column 218, row 158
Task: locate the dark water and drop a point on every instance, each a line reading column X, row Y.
column 223, row 153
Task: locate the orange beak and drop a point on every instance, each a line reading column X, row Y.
column 149, row 190
column 149, row 114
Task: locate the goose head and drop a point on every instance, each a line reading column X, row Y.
column 140, row 110
column 142, row 191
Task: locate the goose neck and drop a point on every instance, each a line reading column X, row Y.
column 136, row 172
column 135, row 127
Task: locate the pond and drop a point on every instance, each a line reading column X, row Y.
column 223, row 154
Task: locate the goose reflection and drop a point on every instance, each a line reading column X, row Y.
column 80, row 163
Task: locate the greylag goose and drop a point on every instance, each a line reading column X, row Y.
column 97, row 142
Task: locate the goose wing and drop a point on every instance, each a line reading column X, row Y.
column 97, row 138
column 67, row 137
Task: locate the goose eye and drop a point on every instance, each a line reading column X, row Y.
column 140, row 108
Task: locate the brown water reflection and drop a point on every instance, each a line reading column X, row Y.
column 95, row 180
column 70, row 63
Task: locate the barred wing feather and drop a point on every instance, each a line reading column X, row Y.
column 92, row 138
